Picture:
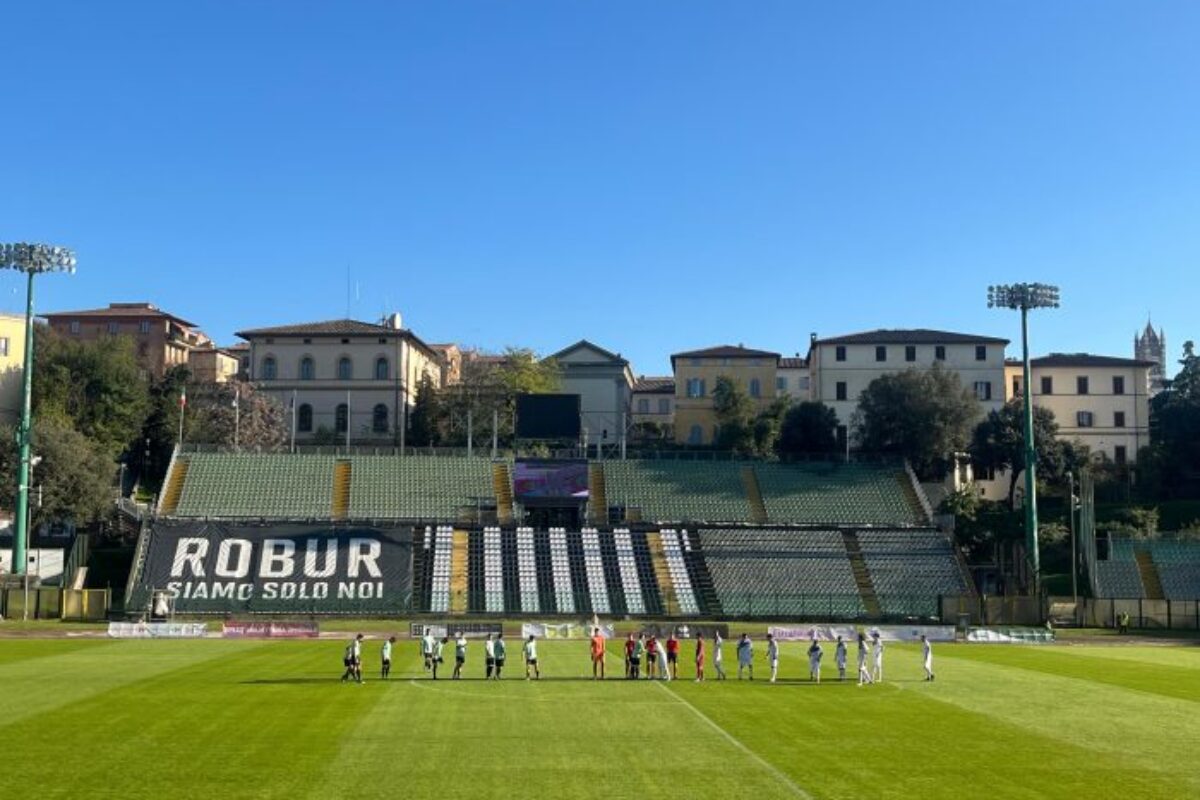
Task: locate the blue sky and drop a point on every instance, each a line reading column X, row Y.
column 652, row 176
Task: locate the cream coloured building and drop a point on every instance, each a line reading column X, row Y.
column 344, row 376
column 1102, row 402
column 696, row 374
column 12, row 365
column 842, row 367
column 603, row 381
column 793, row 379
column 652, row 401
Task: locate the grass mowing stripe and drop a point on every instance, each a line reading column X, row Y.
column 67, row 676
column 1169, row 681
column 729, row 737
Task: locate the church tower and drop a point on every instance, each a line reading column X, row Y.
column 1151, row 346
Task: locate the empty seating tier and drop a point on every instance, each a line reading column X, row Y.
column 678, row 491
column 257, row 486
column 782, row 573
column 419, row 487
column 836, row 494
column 910, row 569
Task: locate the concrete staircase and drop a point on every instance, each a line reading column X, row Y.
column 662, row 574
column 458, row 572
column 862, row 576
column 1151, row 581
column 597, row 495
column 502, row 486
column 341, row 489
column 173, row 489
column 758, row 509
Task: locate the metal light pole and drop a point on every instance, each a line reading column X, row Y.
column 30, row 259
column 1023, row 297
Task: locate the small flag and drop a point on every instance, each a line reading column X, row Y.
column 183, row 397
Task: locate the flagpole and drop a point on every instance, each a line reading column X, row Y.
column 237, row 415
column 347, row 421
column 293, row 420
column 182, row 409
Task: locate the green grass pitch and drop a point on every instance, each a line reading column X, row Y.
column 233, row 719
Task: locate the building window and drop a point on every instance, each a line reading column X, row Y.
column 304, row 418
column 1118, row 419
column 643, row 406
column 341, row 418
column 696, row 435
column 881, row 352
column 1081, row 384
column 144, row 327
column 983, row 390
column 981, row 352
column 839, row 352
column 755, row 387
column 113, row 328
column 308, row 369
column 840, row 390
column 939, row 352
column 3, row 345
column 1016, row 387
column 1047, row 384
column 1120, row 455
column 74, row 326
column 381, row 369
column 345, row 368
column 379, row 418
column 695, row 387
column 664, row 405
column 910, row 352
column 1084, row 419
column 781, row 385
column 1118, row 384
column 270, row 370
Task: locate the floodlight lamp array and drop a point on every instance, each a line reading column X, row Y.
column 36, row 258
column 1023, row 296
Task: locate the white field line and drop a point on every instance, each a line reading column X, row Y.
column 778, row 774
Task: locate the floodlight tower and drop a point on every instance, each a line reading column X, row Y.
column 31, row 259
column 1023, row 297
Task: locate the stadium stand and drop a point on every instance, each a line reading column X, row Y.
column 564, row 589
column 439, row 583
column 673, row 546
column 597, row 585
column 910, row 569
column 678, row 491
column 781, row 573
column 1150, row 569
column 419, row 487
column 838, row 494
column 258, row 486
column 527, row 572
column 630, row 576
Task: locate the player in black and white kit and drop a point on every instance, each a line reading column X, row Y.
column 352, row 660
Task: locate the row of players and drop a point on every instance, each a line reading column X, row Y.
column 659, row 657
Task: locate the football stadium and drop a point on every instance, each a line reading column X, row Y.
column 264, row 580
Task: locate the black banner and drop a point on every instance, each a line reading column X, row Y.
column 213, row 567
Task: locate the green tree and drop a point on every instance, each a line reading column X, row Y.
column 487, row 390
column 229, row 413
column 74, row 480
column 735, row 413
column 923, row 415
column 150, row 456
column 96, row 386
column 423, row 422
column 998, row 443
column 808, row 427
column 1170, row 467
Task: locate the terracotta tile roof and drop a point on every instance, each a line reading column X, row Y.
column 911, row 336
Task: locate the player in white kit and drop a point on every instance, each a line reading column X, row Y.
column 814, row 661
column 927, row 656
column 877, row 651
column 718, row 659
column 773, row 655
column 864, row 674
column 839, row 658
